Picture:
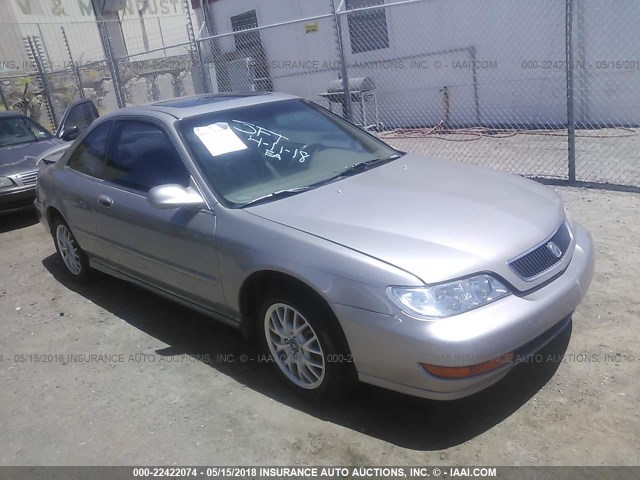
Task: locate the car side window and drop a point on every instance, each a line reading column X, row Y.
column 89, row 156
column 142, row 157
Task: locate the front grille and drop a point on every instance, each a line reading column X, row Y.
column 29, row 178
column 545, row 256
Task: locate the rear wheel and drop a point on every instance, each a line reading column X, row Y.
column 73, row 257
column 307, row 347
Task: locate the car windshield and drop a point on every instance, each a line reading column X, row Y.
column 17, row 130
column 262, row 151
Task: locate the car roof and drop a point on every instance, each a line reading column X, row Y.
column 194, row 105
column 10, row 113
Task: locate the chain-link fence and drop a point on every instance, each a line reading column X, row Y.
column 547, row 89
column 536, row 88
column 453, row 82
column 154, row 69
column 116, row 63
column 605, row 51
column 275, row 57
column 23, row 93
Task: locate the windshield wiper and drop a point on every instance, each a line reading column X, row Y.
column 364, row 165
column 359, row 167
column 355, row 168
column 275, row 195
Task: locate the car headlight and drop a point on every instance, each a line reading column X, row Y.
column 448, row 299
column 5, row 182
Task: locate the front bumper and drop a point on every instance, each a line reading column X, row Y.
column 388, row 350
column 17, row 198
column 37, row 204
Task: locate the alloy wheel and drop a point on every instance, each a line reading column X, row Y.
column 294, row 345
column 68, row 249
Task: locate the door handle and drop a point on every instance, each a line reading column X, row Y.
column 105, row 201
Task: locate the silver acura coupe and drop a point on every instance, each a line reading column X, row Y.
column 344, row 257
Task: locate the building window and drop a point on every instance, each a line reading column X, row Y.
column 368, row 29
column 243, row 22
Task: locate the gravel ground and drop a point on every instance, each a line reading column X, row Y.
column 165, row 390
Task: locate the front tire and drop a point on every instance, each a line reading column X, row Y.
column 74, row 259
column 307, row 347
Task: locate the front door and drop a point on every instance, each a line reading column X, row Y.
column 85, row 169
column 172, row 249
column 76, row 119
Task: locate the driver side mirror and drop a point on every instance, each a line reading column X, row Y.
column 70, row 133
column 53, row 154
column 175, row 196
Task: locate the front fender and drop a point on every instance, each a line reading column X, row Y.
column 248, row 244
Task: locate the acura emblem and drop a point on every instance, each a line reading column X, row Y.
column 554, row 249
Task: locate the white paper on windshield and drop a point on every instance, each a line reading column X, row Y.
column 219, row 138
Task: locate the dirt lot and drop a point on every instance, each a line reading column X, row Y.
column 167, row 396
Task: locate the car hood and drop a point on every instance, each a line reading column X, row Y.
column 21, row 158
column 436, row 219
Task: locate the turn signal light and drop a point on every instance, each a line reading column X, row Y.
column 470, row 371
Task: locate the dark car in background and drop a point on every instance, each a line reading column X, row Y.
column 23, row 141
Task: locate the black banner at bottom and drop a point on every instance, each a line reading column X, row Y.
column 319, row 472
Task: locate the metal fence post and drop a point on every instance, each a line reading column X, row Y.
column 197, row 59
column 76, row 70
column 161, row 35
column 4, row 98
column 43, row 81
column 347, row 107
column 205, row 81
column 215, row 55
column 571, row 114
column 44, row 46
column 112, row 63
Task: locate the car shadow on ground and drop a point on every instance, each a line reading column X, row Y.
column 18, row 219
column 406, row 421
